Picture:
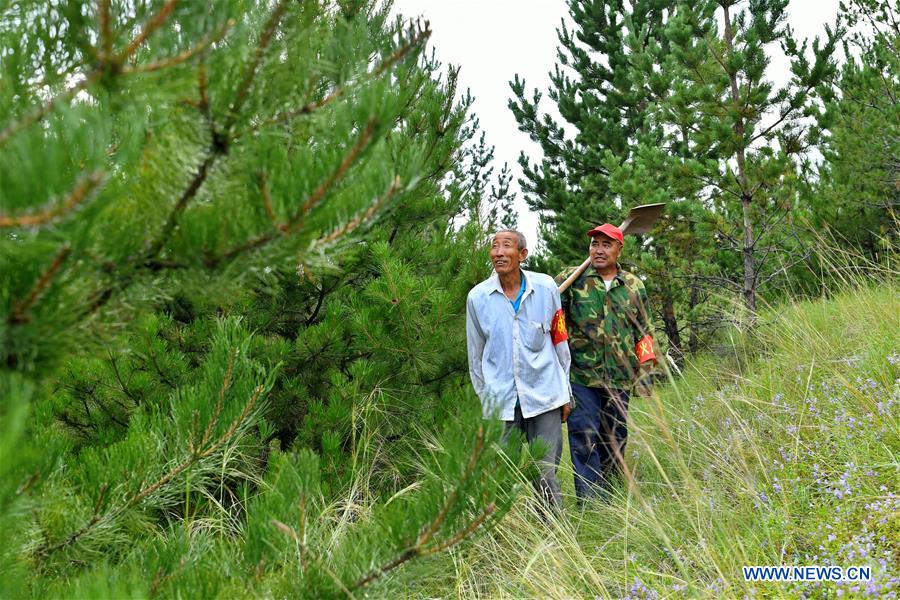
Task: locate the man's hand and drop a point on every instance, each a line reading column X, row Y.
column 566, row 409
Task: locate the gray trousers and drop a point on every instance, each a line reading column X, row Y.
column 547, row 427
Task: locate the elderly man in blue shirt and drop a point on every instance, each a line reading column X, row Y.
column 518, row 355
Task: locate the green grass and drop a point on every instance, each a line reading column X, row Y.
column 782, row 450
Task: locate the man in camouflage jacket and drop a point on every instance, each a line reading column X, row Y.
column 612, row 350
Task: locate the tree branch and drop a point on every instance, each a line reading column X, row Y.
column 18, row 314
column 195, row 455
column 319, row 301
column 106, row 38
column 182, row 56
column 361, row 218
column 265, row 39
column 149, row 28
column 78, row 194
column 115, row 367
column 42, row 111
column 421, row 548
column 307, row 108
column 336, row 93
column 156, row 245
column 418, row 551
column 784, row 268
column 424, row 34
column 365, row 137
column 266, row 195
column 108, row 64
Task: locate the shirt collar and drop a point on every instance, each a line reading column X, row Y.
column 592, row 272
column 496, row 287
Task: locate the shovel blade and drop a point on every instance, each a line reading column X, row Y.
column 641, row 218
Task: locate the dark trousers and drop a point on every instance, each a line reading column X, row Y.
column 597, row 436
column 546, row 427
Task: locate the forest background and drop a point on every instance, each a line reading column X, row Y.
column 237, row 239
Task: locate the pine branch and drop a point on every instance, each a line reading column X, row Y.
column 300, row 539
column 466, row 532
column 361, row 218
column 421, row 547
column 78, row 194
column 297, row 220
column 219, row 144
column 156, row 246
column 420, row 551
column 195, row 456
column 307, row 108
column 107, row 64
column 20, row 309
column 105, row 409
column 451, row 499
column 106, row 37
column 417, row 40
column 266, row 196
column 115, row 367
column 265, row 39
column 248, row 408
column 319, row 301
column 257, row 242
column 112, row 65
column 42, row 111
column 181, row 57
column 149, row 28
column 226, row 384
column 337, row 92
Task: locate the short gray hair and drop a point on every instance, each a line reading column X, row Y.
column 520, row 237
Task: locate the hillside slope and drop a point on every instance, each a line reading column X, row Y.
column 779, row 452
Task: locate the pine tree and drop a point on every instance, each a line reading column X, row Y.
column 570, row 187
column 746, row 139
column 856, row 195
column 228, row 238
column 605, row 86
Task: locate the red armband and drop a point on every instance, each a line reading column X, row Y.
column 558, row 332
column 644, row 349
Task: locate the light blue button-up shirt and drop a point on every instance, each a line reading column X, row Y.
column 510, row 354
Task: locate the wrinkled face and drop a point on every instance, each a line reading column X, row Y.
column 604, row 252
column 505, row 253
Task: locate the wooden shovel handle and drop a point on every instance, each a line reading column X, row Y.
column 571, row 279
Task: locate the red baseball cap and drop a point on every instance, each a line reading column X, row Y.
column 610, row 231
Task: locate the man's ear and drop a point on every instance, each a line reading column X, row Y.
column 523, row 254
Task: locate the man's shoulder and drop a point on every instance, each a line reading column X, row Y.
column 565, row 273
column 482, row 289
column 631, row 280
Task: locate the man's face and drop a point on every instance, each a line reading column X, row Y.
column 505, row 253
column 604, row 251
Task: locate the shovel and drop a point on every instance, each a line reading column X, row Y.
column 640, row 219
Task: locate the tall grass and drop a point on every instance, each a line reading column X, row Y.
column 781, row 449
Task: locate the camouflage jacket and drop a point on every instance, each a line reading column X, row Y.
column 607, row 330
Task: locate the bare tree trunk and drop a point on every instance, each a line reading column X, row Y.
column 694, row 336
column 670, row 324
column 749, row 242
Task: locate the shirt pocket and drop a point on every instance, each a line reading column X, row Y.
column 535, row 334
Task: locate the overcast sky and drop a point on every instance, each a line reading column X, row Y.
column 492, row 40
